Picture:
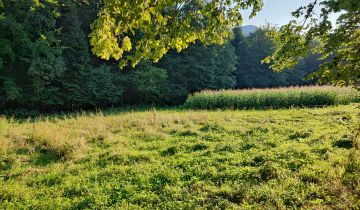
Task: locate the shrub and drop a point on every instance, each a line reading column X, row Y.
column 272, row 98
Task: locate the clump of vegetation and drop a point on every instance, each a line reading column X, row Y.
column 272, row 98
column 180, row 159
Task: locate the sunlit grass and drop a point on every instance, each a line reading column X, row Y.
column 179, row 159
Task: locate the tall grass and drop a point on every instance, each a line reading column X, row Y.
column 273, row 98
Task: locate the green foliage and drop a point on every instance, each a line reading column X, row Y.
column 12, row 91
column 148, row 83
column 179, row 159
column 84, row 84
column 105, row 86
column 251, row 73
column 6, row 52
column 272, row 98
column 148, row 30
column 250, row 50
column 46, row 58
column 31, row 54
column 196, row 68
column 339, row 45
column 46, row 62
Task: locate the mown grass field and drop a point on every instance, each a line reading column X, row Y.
column 180, row 159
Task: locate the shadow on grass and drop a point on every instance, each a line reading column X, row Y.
column 45, row 158
column 35, row 116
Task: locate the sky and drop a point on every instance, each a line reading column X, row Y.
column 277, row 12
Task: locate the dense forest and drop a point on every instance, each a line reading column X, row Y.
column 46, row 63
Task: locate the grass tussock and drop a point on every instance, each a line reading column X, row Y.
column 273, row 98
column 178, row 159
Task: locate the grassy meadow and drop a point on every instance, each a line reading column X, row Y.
column 183, row 159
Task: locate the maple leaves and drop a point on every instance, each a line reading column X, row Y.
column 132, row 31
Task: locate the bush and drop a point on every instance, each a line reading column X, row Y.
column 272, row 98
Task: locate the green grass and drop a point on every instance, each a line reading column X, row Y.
column 178, row 159
column 310, row 96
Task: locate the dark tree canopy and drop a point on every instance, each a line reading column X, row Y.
column 46, row 61
column 251, row 73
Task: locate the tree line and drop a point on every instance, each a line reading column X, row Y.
column 46, row 63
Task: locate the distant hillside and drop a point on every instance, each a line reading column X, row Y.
column 248, row 29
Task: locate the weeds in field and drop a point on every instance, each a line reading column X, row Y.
column 178, row 159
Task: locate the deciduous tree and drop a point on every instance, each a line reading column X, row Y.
column 129, row 31
column 339, row 44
